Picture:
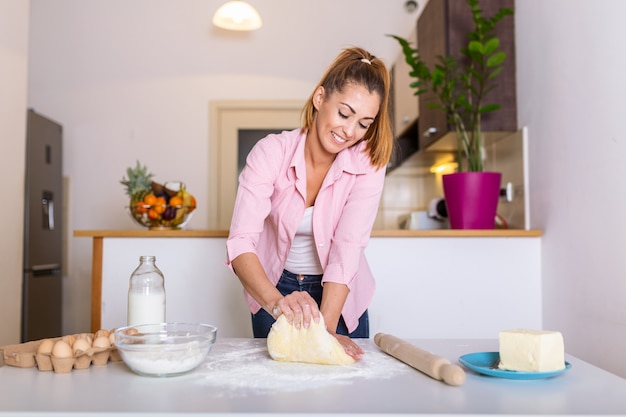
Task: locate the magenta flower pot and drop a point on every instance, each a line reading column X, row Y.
column 472, row 199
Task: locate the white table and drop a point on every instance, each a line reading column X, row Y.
column 239, row 378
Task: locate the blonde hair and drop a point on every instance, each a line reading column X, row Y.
column 357, row 66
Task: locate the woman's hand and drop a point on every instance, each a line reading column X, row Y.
column 351, row 348
column 298, row 307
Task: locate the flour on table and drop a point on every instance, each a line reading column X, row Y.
column 312, row 344
column 243, row 367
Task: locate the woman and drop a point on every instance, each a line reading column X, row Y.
column 307, row 201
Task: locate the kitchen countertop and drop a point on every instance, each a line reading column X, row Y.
column 375, row 233
column 239, row 378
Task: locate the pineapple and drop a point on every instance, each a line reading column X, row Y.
column 138, row 184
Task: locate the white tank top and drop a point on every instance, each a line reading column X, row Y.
column 302, row 257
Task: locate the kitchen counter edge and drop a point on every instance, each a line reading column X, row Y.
column 375, row 233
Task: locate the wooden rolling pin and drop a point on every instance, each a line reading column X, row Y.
column 432, row 365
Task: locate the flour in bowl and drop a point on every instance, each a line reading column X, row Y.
column 167, row 362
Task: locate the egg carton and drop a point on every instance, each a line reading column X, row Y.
column 24, row 355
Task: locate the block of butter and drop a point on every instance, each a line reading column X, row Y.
column 525, row 350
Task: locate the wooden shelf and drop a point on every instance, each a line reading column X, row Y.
column 150, row 233
column 375, row 233
column 457, row 233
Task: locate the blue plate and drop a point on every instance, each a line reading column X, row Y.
column 482, row 362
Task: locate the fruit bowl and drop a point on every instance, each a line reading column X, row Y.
column 164, row 349
column 162, row 206
column 160, row 216
column 155, row 205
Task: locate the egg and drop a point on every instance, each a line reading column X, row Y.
column 131, row 332
column 70, row 339
column 101, row 342
column 101, row 332
column 85, row 336
column 62, row 349
column 45, row 346
column 112, row 337
column 81, row 345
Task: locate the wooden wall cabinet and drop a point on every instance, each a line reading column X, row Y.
column 442, row 31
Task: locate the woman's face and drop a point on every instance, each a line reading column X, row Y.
column 343, row 117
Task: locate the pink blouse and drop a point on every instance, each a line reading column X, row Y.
column 270, row 203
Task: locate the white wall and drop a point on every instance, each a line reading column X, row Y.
column 13, row 85
column 133, row 80
column 571, row 88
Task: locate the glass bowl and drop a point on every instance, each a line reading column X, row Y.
column 164, row 349
column 160, row 216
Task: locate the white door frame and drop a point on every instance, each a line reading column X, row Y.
column 226, row 118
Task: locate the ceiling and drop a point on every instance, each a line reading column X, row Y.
column 303, row 36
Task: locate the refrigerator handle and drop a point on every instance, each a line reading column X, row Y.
column 46, row 269
column 47, row 207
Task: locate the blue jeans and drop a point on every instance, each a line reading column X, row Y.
column 262, row 321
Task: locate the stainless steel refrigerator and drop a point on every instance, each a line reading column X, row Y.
column 43, row 239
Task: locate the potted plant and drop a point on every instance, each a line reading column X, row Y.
column 459, row 86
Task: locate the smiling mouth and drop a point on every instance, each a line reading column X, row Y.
column 338, row 139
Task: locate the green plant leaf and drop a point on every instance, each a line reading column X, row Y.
column 489, row 108
column 496, row 59
column 434, row 106
column 501, row 14
column 477, row 47
column 438, row 75
column 409, row 52
column 495, row 73
column 491, row 45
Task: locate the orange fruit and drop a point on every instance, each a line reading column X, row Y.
column 150, row 199
column 176, row 201
column 192, row 204
column 140, row 207
column 159, row 205
column 152, row 213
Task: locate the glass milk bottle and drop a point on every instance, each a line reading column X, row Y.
column 146, row 293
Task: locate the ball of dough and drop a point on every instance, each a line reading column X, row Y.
column 314, row 344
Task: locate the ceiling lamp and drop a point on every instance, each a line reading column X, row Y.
column 237, row 15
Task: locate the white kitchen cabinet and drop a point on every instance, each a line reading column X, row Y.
column 455, row 287
column 430, row 284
